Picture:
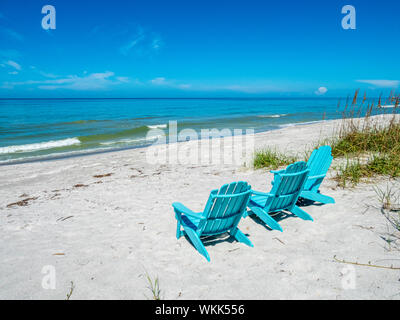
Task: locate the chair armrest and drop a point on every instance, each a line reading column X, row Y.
column 180, row 208
column 317, row 177
column 276, row 171
column 258, row 193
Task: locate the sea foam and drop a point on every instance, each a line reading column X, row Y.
column 158, row 126
column 271, row 115
column 130, row 141
column 40, row 146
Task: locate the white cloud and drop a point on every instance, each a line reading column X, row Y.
column 43, row 73
column 47, row 87
column 184, row 86
column 158, row 81
column 382, row 83
column 156, row 43
column 48, row 75
column 142, row 43
column 128, row 46
column 13, row 64
column 93, row 81
column 13, row 72
column 136, row 39
column 100, row 75
column 123, row 79
column 321, row 91
column 161, row 81
column 256, row 88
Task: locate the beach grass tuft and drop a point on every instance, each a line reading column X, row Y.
column 70, row 291
column 350, row 173
column 154, row 287
column 272, row 159
column 389, row 198
column 369, row 146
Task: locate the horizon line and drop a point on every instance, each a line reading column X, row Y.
column 175, row 98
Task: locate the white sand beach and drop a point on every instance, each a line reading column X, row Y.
column 106, row 233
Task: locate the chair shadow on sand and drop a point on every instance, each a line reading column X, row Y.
column 211, row 241
column 282, row 215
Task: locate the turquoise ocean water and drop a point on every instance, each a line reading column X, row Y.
column 32, row 129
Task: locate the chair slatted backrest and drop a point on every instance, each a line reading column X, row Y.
column 225, row 207
column 287, row 187
column 318, row 164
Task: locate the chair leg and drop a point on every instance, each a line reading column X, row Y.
column 301, row 213
column 317, row 197
column 239, row 236
column 197, row 243
column 178, row 230
column 268, row 220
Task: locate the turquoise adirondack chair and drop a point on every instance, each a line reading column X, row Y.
column 283, row 196
column 222, row 213
column 318, row 164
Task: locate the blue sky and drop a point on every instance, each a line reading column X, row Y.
column 198, row 48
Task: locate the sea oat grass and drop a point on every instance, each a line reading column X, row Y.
column 368, row 139
column 272, row 159
column 358, row 137
column 351, row 173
